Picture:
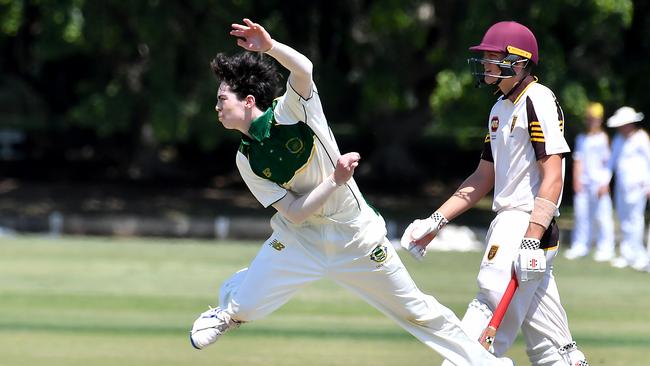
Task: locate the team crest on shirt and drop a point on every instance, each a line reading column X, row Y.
column 379, row 254
column 512, row 125
column 492, row 252
column 494, row 125
column 295, row 145
column 277, row 245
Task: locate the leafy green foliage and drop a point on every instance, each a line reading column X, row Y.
column 395, row 68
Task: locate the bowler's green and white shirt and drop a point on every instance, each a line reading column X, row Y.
column 292, row 148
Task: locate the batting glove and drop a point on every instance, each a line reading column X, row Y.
column 530, row 264
column 419, row 234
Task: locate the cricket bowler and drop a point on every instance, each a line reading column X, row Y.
column 323, row 227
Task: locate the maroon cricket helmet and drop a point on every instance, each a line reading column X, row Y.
column 511, row 38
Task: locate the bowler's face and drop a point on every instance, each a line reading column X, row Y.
column 230, row 110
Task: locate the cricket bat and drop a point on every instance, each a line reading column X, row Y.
column 487, row 338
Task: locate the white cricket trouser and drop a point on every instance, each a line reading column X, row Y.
column 630, row 209
column 594, row 221
column 535, row 307
column 291, row 259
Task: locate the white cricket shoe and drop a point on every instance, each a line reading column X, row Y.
column 619, row 262
column 210, row 326
column 640, row 264
column 603, row 256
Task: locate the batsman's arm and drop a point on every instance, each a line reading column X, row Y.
column 549, row 190
column 475, row 187
column 530, row 263
column 420, row 233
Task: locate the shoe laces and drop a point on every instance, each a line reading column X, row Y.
column 225, row 321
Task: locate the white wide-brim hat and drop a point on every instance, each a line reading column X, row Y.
column 624, row 116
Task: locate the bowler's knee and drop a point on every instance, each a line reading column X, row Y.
column 428, row 312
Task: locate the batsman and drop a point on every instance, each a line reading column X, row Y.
column 523, row 161
column 323, row 227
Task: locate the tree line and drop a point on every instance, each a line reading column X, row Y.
column 122, row 89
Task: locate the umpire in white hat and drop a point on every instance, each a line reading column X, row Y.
column 630, row 163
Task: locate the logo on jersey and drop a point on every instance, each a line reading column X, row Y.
column 277, row 245
column 267, row 172
column 495, row 124
column 295, row 145
column 512, row 125
column 492, row 252
column 379, row 254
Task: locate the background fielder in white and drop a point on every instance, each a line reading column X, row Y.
column 592, row 203
column 323, row 227
column 630, row 164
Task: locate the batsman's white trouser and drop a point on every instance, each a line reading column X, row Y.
column 535, row 307
column 294, row 256
column 630, row 209
column 594, row 222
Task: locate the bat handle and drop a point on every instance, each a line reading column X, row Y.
column 487, row 338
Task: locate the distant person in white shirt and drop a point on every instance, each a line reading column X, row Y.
column 592, row 203
column 630, row 164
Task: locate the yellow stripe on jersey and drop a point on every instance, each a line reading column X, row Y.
column 487, row 138
column 534, row 126
column 536, row 134
column 311, row 157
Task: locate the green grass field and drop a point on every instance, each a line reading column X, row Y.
column 91, row 301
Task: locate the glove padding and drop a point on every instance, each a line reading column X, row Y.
column 530, row 264
column 419, row 234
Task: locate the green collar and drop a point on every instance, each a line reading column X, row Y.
column 261, row 126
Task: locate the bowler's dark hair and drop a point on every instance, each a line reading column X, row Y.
column 248, row 74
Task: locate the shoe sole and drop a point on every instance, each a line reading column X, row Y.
column 194, row 344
